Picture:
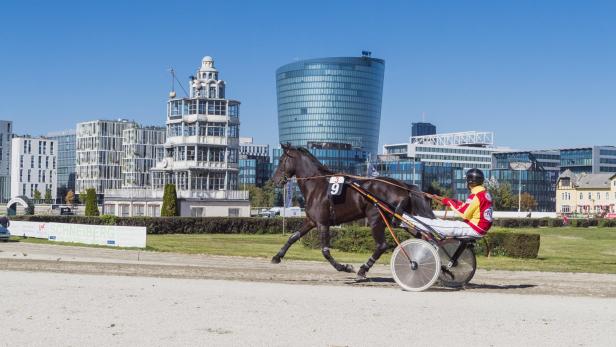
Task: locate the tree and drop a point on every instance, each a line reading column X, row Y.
column 269, row 194
column 170, row 201
column 502, row 197
column 255, row 195
column 91, row 206
column 36, row 195
column 48, row 195
column 528, row 202
column 69, row 199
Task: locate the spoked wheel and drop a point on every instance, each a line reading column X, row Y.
column 421, row 271
column 462, row 270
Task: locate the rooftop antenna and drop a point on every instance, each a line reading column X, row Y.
column 174, row 79
column 423, row 117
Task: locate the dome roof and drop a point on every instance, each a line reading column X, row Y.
column 207, row 58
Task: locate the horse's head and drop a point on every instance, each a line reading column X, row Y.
column 286, row 165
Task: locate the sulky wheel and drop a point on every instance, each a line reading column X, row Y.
column 462, row 270
column 423, row 268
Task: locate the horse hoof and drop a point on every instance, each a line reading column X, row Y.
column 361, row 277
column 275, row 259
column 349, row 268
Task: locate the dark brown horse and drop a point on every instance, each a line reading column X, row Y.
column 323, row 211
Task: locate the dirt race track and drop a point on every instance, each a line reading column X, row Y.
column 85, row 260
column 73, row 296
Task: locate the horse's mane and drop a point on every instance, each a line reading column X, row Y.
column 313, row 159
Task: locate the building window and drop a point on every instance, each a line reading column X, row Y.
column 216, row 129
column 124, row 210
column 234, row 212
column 154, row 210
column 138, row 210
column 196, row 211
column 217, row 155
column 109, row 209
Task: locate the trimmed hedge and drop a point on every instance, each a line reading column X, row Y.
column 517, row 245
column 181, row 225
column 359, row 239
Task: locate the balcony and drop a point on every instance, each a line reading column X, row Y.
column 170, row 164
column 202, row 140
column 151, row 194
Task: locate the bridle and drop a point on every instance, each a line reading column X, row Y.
column 282, row 165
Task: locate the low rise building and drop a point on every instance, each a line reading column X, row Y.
column 586, row 194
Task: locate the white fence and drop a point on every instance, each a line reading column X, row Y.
column 108, row 235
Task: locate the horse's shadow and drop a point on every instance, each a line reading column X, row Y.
column 497, row 286
column 442, row 288
column 372, row 280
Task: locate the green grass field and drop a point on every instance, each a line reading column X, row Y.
column 562, row 249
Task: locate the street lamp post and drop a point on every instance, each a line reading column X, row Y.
column 520, row 166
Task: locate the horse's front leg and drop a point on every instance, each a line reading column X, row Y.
column 303, row 230
column 325, row 244
column 378, row 234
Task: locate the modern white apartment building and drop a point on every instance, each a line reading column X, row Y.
column 143, row 148
column 99, row 154
column 6, row 134
column 33, row 167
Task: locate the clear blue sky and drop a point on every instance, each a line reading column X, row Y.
column 540, row 74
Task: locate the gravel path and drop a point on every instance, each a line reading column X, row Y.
column 57, row 309
column 18, row 256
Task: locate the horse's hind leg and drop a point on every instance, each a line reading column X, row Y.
column 325, row 243
column 305, row 228
column 378, row 233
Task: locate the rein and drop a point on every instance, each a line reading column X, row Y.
column 431, row 196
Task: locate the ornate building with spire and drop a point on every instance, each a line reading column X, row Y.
column 201, row 151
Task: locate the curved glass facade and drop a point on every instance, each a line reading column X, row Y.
column 331, row 100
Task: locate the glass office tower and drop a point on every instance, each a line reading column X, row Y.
column 66, row 160
column 333, row 105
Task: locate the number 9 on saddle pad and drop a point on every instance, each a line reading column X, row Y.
column 336, row 186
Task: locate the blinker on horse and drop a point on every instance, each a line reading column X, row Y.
column 323, row 211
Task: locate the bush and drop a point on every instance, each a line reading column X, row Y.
column 607, row 223
column 352, row 239
column 359, row 239
column 109, row 219
column 182, row 225
column 584, row 223
column 170, row 201
column 91, row 206
column 517, row 245
column 555, row 222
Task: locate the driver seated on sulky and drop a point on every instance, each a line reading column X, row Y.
column 476, row 211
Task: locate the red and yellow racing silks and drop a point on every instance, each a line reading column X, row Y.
column 476, row 210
